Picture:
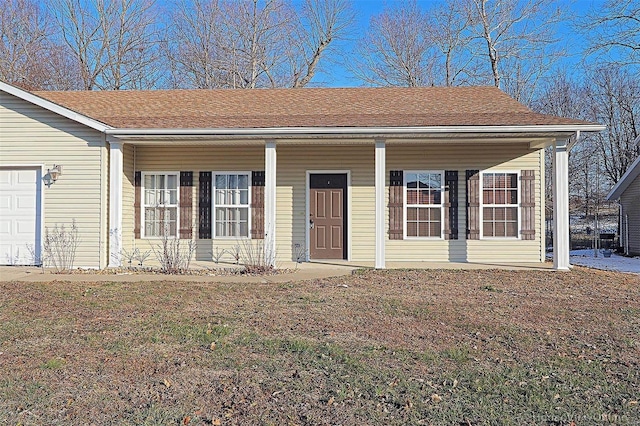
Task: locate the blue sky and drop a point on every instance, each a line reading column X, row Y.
column 335, row 75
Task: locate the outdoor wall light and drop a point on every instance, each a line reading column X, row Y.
column 53, row 174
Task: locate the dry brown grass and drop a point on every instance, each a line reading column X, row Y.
column 395, row 347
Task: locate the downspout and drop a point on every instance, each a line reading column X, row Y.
column 574, row 141
column 623, row 228
column 102, row 214
column 626, row 234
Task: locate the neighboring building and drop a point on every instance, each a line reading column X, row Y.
column 366, row 176
column 627, row 193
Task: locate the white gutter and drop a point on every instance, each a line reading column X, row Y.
column 353, row 131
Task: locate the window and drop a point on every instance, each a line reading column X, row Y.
column 231, row 203
column 423, row 195
column 160, row 204
column 500, row 205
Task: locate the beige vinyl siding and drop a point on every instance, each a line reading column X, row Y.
column 295, row 160
column 630, row 200
column 291, row 216
column 31, row 135
column 293, row 163
column 462, row 158
column 195, row 159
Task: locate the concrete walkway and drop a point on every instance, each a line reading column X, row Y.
column 303, row 271
column 292, row 272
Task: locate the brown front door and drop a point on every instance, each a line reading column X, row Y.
column 327, row 214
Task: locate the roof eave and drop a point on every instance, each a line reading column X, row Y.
column 274, row 132
column 53, row 107
column 632, row 172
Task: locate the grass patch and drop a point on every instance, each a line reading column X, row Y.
column 393, row 348
column 52, row 364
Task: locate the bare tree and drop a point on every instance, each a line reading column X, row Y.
column 396, row 50
column 563, row 96
column 114, row 43
column 518, row 36
column 449, row 31
column 253, row 43
column 195, row 46
column 28, row 58
column 613, row 30
column 323, row 22
column 614, row 96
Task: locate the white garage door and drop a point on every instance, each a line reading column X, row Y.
column 20, row 216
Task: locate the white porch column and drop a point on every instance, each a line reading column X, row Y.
column 380, row 170
column 561, row 205
column 270, row 202
column 115, row 202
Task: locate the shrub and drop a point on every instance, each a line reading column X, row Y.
column 60, row 246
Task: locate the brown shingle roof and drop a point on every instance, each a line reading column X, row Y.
column 313, row 107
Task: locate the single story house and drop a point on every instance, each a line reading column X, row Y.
column 356, row 175
column 627, row 193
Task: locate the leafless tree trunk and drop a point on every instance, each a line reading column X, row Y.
column 323, row 22
column 449, row 29
column 113, row 42
column 518, row 37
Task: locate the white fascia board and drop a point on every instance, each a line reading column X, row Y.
column 53, row 107
column 637, row 141
column 632, row 172
column 355, row 131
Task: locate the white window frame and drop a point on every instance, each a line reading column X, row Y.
column 214, row 229
column 143, row 205
column 405, row 204
column 516, row 205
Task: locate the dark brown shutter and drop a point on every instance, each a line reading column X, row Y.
column 528, row 204
column 137, row 183
column 451, row 205
column 257, row 205
column 473, row 204
column 186, row 205
column 396, row 200
column 204, row 206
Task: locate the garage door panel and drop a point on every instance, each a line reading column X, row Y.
column 25, row 177
column 5, row 202
column 20, row 220
column 24, row 202
column 26, row 227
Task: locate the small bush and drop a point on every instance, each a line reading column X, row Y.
column 60, row 246
column 256, row 257
column 174, row 257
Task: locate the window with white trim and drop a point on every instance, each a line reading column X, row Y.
column 160, row 201
column 423, row 204
column 231, row 204
column 500, row 195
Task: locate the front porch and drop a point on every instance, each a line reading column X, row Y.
column 367, row 161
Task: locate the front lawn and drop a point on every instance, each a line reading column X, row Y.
column 393, row 347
